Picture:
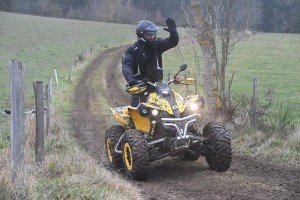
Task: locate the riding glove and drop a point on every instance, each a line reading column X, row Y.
column 171, row 25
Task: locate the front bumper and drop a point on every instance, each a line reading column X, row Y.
column 181, row 125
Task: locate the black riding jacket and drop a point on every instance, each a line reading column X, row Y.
column 142, row 61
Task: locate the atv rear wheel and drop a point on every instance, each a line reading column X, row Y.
column 112, row 136
column 135, row 155
column 219, row 141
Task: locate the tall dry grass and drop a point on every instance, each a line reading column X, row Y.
column 68, row 171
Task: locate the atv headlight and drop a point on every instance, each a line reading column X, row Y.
column 154, row 112
column 194, row 106
column 166, row 92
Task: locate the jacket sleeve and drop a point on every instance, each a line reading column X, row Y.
column 170, row 42
column 159, row 74
column 128, row 63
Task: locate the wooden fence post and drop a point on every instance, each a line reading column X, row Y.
column 254, row 100
column 50, row 88
column 56, row 79
column 48, row 109
column 39, row 104
column 70, row 73
column 17, row 124
column 75, row 60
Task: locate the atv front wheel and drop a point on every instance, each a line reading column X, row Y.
column 135, row 155
column 219, row 141
column 112, row 136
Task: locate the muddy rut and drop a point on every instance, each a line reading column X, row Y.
column 172, row 178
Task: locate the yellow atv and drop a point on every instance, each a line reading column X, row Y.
column 164, row 125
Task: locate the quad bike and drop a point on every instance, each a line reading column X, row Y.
column 164, row 125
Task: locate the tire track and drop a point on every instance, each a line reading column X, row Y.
column 172, row 178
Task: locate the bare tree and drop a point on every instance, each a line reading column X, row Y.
column 218, row 21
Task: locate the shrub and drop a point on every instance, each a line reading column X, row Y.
column 282, row 119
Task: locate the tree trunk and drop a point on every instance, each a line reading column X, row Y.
column 206, row 40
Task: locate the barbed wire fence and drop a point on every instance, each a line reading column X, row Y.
column 17, row 112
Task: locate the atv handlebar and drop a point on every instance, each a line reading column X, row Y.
column 142, row 86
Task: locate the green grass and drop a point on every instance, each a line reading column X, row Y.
column 272, row 58
column 45, row 44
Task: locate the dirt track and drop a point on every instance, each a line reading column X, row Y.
column 172, row 178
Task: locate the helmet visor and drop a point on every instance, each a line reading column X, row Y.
column 149, row 35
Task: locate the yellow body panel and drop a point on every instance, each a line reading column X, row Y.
column 179, row 101
column 141, row 123
column 122, row 115
column 190, row 99
column 155, row 101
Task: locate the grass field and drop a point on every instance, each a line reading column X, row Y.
column 45, row 44
column 274, row 59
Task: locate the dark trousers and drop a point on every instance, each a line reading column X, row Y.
column 136, row 99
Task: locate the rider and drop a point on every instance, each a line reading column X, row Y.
column 143, row 60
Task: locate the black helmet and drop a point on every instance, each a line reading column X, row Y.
column 145, row 28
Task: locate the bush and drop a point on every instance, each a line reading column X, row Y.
column 282, row 119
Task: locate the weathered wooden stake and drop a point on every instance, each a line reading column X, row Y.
column 17, row 124
column 254, row 100
column 70, row 73
column 48, row 109
column 56, row 79
column 39, row 104
column 50, row 88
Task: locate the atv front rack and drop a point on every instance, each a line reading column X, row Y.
column 180, row 124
